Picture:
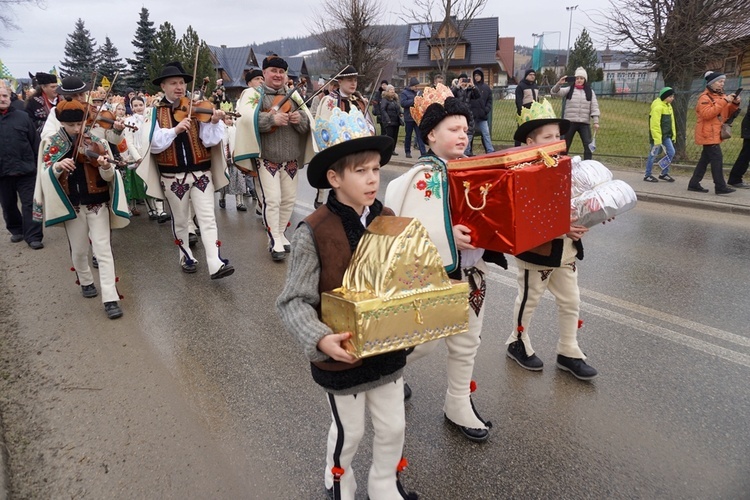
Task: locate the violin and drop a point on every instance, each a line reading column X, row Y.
column 283, row 104
column 201, row 110
column 89, row 152
column 106, row 119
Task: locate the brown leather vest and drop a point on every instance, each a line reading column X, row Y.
column 193, row 145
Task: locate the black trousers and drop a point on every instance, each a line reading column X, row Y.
column 711, row 154
column 740, row 166
column 412, row 127
column 584, row 131
column 392, row 132
column 13, row 187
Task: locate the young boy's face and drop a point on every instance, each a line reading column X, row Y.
column 72, row 128
column 358, row 185
column 448, row 140
column 544, row 134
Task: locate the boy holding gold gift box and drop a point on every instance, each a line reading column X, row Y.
column 322, row 248
column 422, row 192
column 551, row 266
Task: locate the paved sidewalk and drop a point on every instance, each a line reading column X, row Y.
column 672, row 193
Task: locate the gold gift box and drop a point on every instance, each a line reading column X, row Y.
column 395, row 293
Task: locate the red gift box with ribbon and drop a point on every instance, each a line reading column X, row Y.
column 513, row 200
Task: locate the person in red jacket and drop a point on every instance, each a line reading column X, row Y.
column 713, row 108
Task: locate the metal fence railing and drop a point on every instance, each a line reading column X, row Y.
column 623, row 132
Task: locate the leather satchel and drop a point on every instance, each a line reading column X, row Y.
column 726, row 131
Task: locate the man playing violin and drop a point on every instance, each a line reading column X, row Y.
column 185, row 167
column 285, row 145
column 79, row 187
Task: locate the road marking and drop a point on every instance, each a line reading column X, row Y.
column 650, row 328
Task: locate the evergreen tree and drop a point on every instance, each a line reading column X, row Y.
column 143, row 42
column 166, row 49
column 110, row 63
column 81, row 56
column 583, row 54
column 191, row 40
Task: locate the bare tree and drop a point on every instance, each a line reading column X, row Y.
column 681, row 38
column 350, row 34
column 447, row 21
column 6, row 16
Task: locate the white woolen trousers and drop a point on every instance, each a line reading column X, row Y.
column 462, row 350
column 279, row 194
column 386, row 407
column 202, row 203
column 92, row 223
column 562, row 282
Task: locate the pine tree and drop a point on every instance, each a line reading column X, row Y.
column 81, row 56
column 166, row 49
column 191, row 40
column 143, row 42
column 111, row 63
column 583, row 54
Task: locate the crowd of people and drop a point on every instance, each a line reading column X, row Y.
column 69, row 163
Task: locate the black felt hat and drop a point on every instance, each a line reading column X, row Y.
column 170, row 70
column 72, row 85
column 436, row 112
column 253, row 73
column 526, row 128
column 348, row 72
column 320, row 164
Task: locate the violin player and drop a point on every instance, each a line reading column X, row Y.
column 185, row 166
column 77, row 186
column 344, row 98
column 285, row 145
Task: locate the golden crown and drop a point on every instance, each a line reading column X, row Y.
column 429, row 96
column 537, row 111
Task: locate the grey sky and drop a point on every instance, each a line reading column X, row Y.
column 40, row 42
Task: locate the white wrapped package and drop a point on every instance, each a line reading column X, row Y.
column 603, row 202
column 586, row 174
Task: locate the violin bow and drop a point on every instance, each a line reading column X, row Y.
column 195, row 73
column 375, row 86
column 309, row 99
column 79, row 139
column 106, row 96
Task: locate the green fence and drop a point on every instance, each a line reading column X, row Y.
column 623, row 131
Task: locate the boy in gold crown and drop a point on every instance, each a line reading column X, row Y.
column 422, row 193
column 551, row 266
column 322, row 248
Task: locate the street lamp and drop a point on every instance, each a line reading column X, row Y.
column 570, row 26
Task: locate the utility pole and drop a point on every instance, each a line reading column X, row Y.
column 570, row 26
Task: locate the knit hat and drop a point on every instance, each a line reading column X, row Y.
column 582, row 72
column 45, row 78
column 274, row 61
column 413, row 81
column 665, row 92
column 384, row 81
column 463, row 75
column 69, row 110
column 437, row 112
column 713, row 77
column 528, row 72
column 255, row 73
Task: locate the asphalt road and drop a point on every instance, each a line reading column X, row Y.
column 665, row 315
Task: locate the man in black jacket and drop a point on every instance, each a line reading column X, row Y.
column 743, row 160
column 527, row 91
column 19, row 144
column 481, row 109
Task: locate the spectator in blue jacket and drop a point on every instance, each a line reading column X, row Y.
column 407, row 101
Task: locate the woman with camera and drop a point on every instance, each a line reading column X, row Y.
column 580, row 108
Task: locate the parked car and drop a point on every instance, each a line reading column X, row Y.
column 510, row 92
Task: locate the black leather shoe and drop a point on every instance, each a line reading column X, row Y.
column 577, row 367
column 189, row 268
column 725, row 190
column 89, row 291
column 517, row 352
column 287, row 248
column 164, row 217
column 36, row 245
column 222, row 203
column 698, row 189
column 94, row 262
column 407, row 392
column 113, row 310
column 15, row 238
column 408, row 155
column 476, row 435
column 224, row 271
column 192, row 239
column 278, row 256
column 241, row 207
column 152, row 215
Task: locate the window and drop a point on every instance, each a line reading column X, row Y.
column 730, row 65
column 413, row 48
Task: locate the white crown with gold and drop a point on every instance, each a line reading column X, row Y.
column 340, row 127
column 537, row 111
column 429, row 96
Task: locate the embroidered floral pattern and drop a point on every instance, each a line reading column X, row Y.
column 94, row 208
column 179, row 188
column 430, row 185
column 272, row 167
column 545, row 274
column 573, row 266
column 253, row 98
column 201, row 183
column 291, row 168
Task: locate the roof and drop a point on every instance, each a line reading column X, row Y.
column 235, row 61
column 481, row 36
column 297, row 66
